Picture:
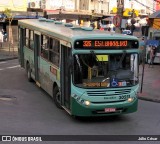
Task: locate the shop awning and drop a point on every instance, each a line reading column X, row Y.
column 127, row 12
column 153, row 42
column 156, row 23
column 155, row 15
column 74, row 15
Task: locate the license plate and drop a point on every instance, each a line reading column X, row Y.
column 110, row 109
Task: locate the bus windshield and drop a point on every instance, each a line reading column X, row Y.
column 105, row 70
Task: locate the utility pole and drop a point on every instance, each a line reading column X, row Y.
column 133, row 21
column 120, row 7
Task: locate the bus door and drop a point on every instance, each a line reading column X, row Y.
column 65, row 76
column 36, row 56
column 21, row 45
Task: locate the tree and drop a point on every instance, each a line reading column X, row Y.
column 9, row 16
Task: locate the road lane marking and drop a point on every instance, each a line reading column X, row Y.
column 13, row 67
column 2, row 62
column 10, row 67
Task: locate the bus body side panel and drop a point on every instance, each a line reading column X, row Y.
column 46, row 76
column 29, row 58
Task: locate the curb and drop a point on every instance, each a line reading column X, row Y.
column 11, row 58
column 149, row 99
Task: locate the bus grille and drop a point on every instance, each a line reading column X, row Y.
column 109, row 92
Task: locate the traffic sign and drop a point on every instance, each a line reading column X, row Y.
column 117, row 20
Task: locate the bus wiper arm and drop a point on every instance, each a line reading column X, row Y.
column 100, row 64
column 94, row 55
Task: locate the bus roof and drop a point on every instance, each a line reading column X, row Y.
column 68, row 34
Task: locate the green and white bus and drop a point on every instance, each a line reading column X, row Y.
column 87, row 72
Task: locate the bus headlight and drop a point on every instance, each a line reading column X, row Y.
column 80, row 100
column 130, row 99
column 87, row 103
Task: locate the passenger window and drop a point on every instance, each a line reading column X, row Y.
column 31, row 39
column 27, row 37
column 54, row 51
column 45, row 47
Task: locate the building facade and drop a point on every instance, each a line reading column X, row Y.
column 81, row 11
column 105, row 7
column 15, row 5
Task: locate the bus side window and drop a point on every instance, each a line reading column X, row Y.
column 27, row 37
column 44, row 47
column 54, row 51
column 31, row 39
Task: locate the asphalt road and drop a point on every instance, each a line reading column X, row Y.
column 25, row 109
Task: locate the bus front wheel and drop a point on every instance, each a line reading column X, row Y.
column 57, row 97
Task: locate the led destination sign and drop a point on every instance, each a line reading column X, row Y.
column 106, row 44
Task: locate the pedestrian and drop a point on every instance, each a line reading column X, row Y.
column 92, row 25
column 4, row 35
column 152, row 55
column 1, row 39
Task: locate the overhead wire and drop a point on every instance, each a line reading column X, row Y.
column 153, row 10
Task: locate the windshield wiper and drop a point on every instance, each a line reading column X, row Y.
column 100, row 65
column 94, row 55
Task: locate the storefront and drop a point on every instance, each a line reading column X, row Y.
column 155, row 43
column 127, row 12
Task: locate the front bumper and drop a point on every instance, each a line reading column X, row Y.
column 78, row 109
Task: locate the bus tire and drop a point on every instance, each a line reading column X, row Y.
column 29, row 73
column 56, row 97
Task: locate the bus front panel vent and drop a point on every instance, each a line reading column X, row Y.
column 76, row 28
column 68, row 25
column 87, row 28
column 58, row 22
column 49, row 20
column 82, row 28
column 42, row 19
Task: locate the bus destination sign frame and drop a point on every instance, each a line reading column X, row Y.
column 106, row 44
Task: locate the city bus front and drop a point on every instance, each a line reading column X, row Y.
column 104, row 77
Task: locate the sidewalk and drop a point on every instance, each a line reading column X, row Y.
column 8, row 54
column 151, row 83
column 151, row 80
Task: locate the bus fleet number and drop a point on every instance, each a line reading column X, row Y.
column 123, row 97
